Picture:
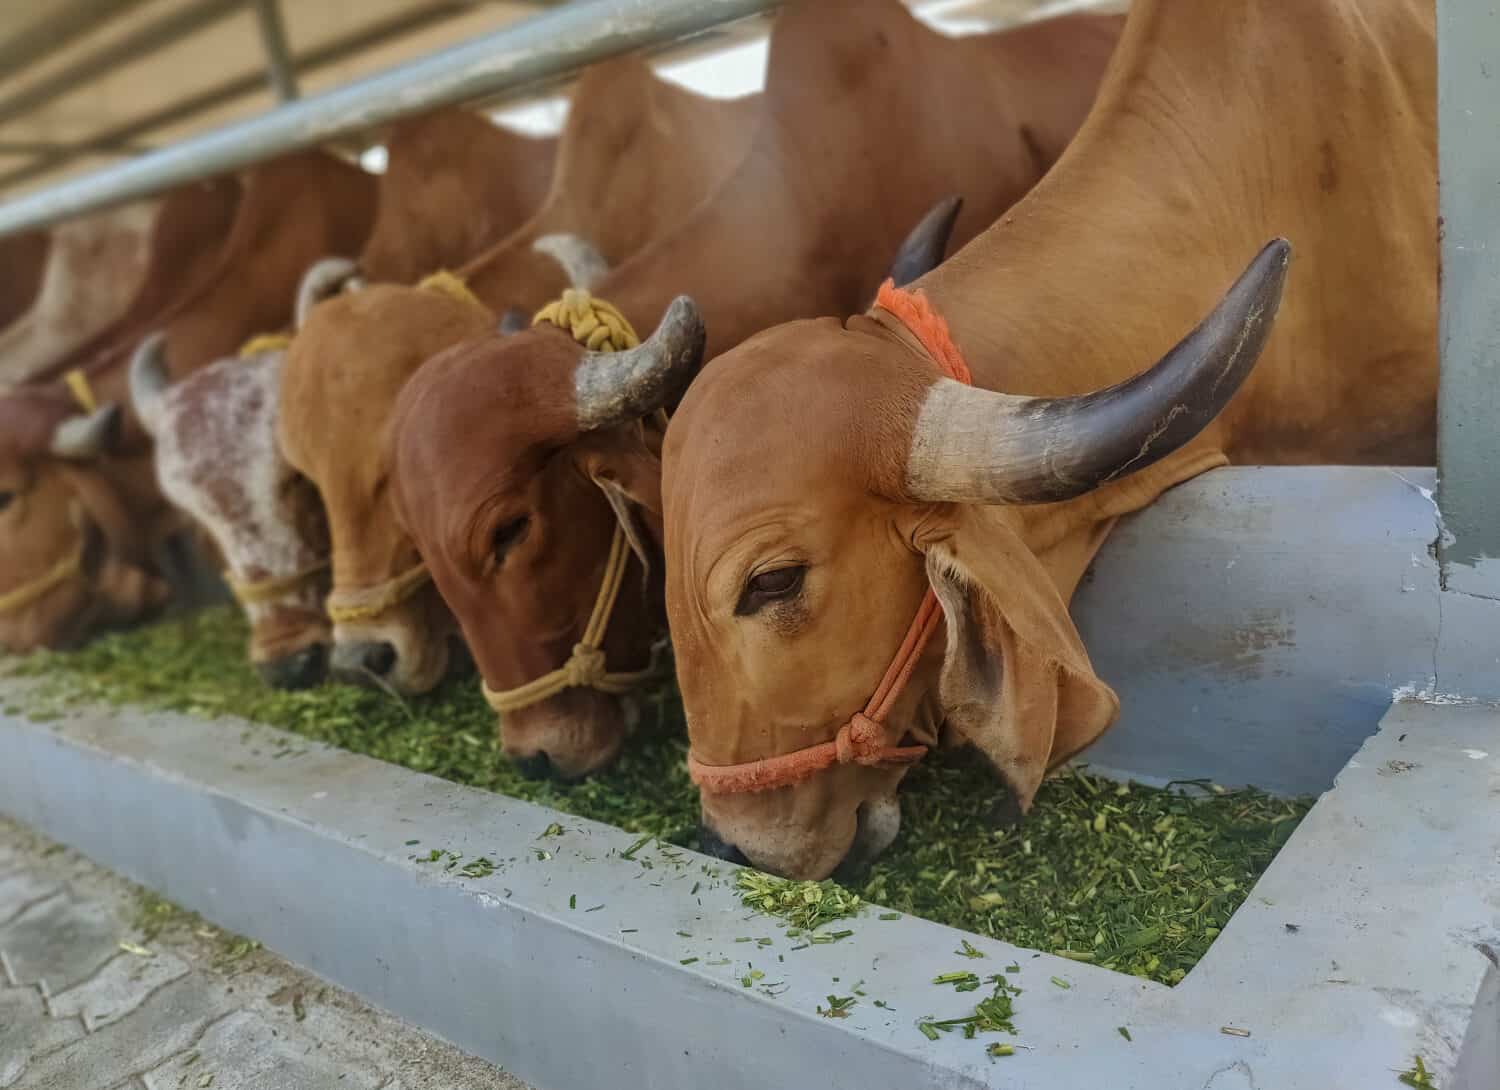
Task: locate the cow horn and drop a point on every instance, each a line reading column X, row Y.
column 616, row 387
column 979, row 446
column 580, row 259
column 924, row 247
column 83, row 436
column 322, row 279
column 148, row 377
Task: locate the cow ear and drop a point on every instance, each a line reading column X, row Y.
column 1016, row 681
column 626, row 465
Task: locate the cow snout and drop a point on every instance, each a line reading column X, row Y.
column 710, row 843
column 364, row 663
column 536, row 766
column 301, row 669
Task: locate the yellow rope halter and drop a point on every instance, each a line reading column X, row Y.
column 264, row 342
column 450, row 284
column 597, row 325
column 83, row 393
column 13, row 601
column 585, row 668
column 368, row 603
column 249, row 592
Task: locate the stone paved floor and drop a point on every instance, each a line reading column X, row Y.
column 102, row 988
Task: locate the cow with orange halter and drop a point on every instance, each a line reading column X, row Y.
column 523, row 467
column 874, row 527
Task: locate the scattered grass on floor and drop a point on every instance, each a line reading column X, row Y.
column 1131, row 878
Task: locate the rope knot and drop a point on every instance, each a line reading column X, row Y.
column 860, row 741
column 585, row 669
column 597, row 325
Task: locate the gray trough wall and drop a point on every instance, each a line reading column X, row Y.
column 1256, row 622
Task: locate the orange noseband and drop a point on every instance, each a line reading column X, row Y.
column 861, row 740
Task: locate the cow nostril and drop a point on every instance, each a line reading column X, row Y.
column 379, row 658
column 710, row 843
column 536, row 766
column 299, row 670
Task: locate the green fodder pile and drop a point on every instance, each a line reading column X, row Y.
column 1131, row 878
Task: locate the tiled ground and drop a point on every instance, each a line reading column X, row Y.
column 94, row 997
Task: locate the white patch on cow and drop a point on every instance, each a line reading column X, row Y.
column 217, row 459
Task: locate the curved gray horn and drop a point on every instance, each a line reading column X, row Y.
column 581, row 261
column 924, row 247
column 149, row 378
column 978, row 446
column 86, row 435
column 616, row 387
column 322, row 279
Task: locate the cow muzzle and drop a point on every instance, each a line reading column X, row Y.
column 569, row 736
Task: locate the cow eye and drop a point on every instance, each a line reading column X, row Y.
column 508, row 535
column 770, row 586
column 5, row 498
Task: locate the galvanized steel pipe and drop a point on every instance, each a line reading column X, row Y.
column 546, row 46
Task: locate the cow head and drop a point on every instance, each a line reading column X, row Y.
column 217, row 459
column 819, row 478
column 339, row 382
column 519, row 461
column 72, row 555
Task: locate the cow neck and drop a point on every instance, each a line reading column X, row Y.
column 862, row 739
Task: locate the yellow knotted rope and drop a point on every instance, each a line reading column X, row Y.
column 368, row 603
column 249, row 592
column 450, row 284
column 585, row 668
column 12, row 601
column 597, row 325
column 264, row 342
column 83, row 393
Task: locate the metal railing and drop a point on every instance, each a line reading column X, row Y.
column 549, row 45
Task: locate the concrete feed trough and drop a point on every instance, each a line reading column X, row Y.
column 1370, row 940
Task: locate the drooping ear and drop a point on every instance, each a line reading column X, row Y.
column 1016, row 681
column 626, row 465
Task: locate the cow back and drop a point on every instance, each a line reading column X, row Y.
column 187, row 238
column 871, row 118
column 454, row 183
column 636, row 155
column 94, row 267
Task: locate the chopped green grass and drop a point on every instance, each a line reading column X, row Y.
column 1130, row 878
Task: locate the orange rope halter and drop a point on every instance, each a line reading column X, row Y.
column 861, row 740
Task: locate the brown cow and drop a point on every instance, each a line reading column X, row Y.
column 634, row 153
column 94, row 267
column 502, row 444
column 80, row 513
column 216, row 451
column 821, row 477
